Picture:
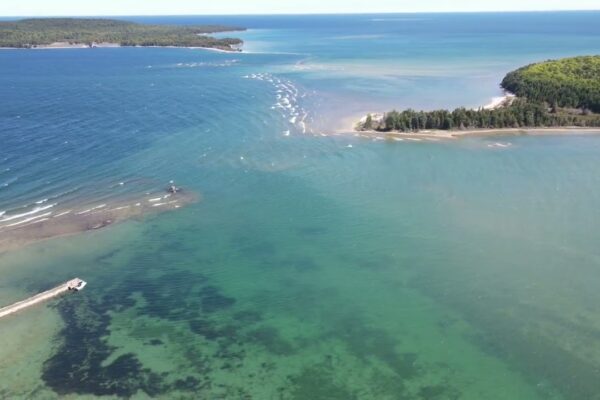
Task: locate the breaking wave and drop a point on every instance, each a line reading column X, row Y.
column 287, row 101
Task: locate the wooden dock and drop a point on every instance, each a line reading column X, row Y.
column 72, row 285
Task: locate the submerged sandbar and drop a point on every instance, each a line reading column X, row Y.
column 45, row 224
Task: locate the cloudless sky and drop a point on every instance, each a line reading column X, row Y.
column 197, row 7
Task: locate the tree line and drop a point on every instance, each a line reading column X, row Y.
column 44, row 31
column 520, row 114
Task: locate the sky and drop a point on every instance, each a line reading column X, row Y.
column 218, row 7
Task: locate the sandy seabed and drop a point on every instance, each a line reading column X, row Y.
column 69, row 222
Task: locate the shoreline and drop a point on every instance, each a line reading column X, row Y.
column 352, row 125
column 24, row 230
column 348, row 126
column 82, row 46
column 456, row 134
column 349, row 123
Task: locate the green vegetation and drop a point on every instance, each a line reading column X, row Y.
column 570, row 82
column 28, row 33
column 564, row 93
column 520, row 114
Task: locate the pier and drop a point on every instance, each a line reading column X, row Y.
column 72, row 285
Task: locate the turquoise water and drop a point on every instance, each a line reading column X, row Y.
column 309, row 269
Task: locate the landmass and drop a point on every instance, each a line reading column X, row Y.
column 544, row 96
column 84, row 32
column 568, row 83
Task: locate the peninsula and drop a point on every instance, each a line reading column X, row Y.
column 553, row 94
column 84, row 32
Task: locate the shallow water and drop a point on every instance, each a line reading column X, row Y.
column 310, row 269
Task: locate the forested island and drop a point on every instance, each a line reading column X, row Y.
column 48, row 32
column 560, row 93
column 567, row 83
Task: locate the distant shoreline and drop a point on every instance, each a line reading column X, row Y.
column 80, row 33
column 81, row 46
column 64, row 45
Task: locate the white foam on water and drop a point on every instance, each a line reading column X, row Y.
column 25, row 214
column 91, row 209
column 500, row 145
column 28, row 220
column 62, row 214
column 303, row 126
column 120, row 208
column 286, row 100
column 226, row 63
column 9, row 182
column 37, row 222
column 155, row 200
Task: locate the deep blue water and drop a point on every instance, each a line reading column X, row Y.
column 315, row 266
column 92, row 112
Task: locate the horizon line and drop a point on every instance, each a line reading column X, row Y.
column 300, row 14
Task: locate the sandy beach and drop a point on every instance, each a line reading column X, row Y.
column 500, row 101
column 455, row 134
column 348, row 125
